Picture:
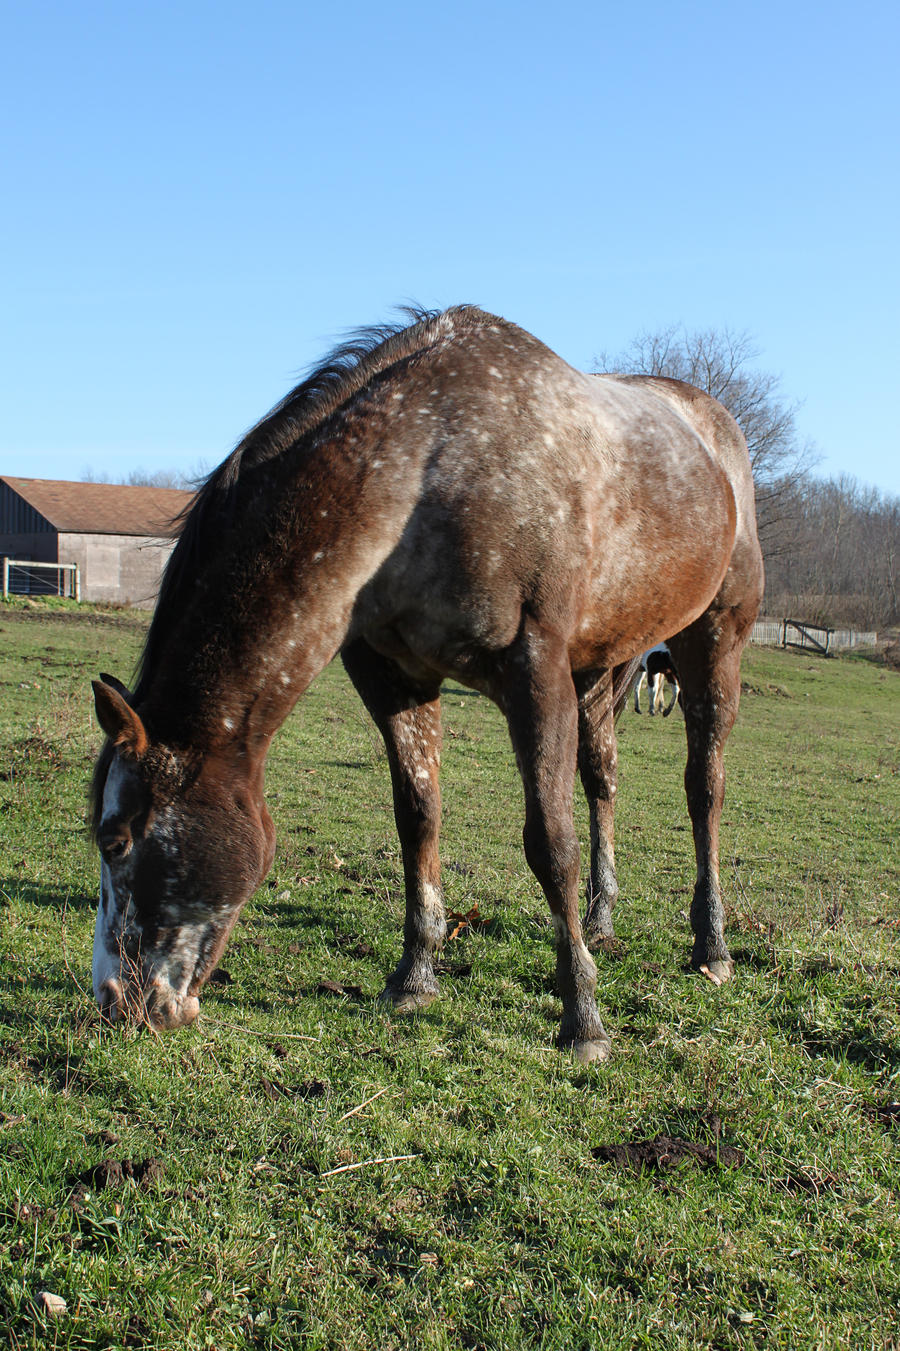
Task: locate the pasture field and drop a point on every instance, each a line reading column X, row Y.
column 301, row 1169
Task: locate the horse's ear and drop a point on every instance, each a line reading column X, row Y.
column 119, row 721
column 116, row 685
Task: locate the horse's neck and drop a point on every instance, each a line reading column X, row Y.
column 260, row 627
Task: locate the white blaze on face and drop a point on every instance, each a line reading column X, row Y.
column 107, row 962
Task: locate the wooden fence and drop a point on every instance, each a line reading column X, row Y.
column 812, row 637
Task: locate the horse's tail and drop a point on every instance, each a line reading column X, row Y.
column 623, row 679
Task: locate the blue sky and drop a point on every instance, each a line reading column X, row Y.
column 201, row 198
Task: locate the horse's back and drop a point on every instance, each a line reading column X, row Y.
column 541, row 489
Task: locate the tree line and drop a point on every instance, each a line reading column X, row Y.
column 836, row 555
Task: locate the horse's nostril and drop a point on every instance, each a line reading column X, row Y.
column 111, row 998
column 167, row 1010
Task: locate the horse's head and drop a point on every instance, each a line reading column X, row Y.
column 184, row 840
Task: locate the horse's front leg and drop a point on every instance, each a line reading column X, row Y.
column 597, row 764
column 409, row 719
column 538, row 697
column 709, row 667
column 655, row 683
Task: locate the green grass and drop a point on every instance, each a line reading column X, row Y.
column 503, row 1230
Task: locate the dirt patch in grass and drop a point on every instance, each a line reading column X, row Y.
column 666, row 1152
column 275, row 1090
column 808, row 1181
column 33, row 612
column 41, row 757
column 885, row 1113
column 116, row 1172
column 771, row 690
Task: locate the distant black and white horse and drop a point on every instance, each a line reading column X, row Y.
column 657, row 671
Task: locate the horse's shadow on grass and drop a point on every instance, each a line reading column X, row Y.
column 871, row 1053
column 32, row 894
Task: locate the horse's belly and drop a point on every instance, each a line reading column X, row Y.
column 436, row 627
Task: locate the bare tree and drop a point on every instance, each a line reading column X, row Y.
column 720, row 362
column 157, row 478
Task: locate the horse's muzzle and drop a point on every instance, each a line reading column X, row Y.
column 159, row 1006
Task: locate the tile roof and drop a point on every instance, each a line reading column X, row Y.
column 102, row 508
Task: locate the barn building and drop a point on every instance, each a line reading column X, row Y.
column 119, row 536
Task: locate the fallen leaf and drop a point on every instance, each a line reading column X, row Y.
column 332, row 987
column 457, row 922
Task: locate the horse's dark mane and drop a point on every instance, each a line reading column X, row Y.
column 364, row 354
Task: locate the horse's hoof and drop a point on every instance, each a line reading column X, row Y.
column 407, row 1001
column 586, row 1051
column 718, row 972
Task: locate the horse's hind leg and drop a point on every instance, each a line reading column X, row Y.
column 639, row 685
column 597, row 763
column 708, row 656
column 409, row 718
column 538, row 697
column 674, row 692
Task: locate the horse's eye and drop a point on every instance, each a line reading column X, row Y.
column 116, row 848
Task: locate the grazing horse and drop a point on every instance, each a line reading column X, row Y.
column 657, row 671
column 445, row 499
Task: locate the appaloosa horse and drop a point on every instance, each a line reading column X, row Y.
column 445, row 499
